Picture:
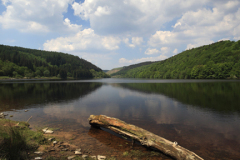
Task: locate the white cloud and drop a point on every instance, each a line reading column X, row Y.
column 164, row 50
column 134, row 61
column 82, row 41
column 150, row 51
column 175, row 51
column 111, row 43
column 177, row 24
column 74, row 27
column 162, row 37
column 136, row 41
column 132, row 16
column 102, row 11
column 202, row 26
column 37, row 16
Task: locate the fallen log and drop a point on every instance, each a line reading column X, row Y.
column 144, row 137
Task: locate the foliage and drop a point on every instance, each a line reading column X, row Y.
column 123, row 70
column 20, row 62
column 220, row 60
column 16, row 142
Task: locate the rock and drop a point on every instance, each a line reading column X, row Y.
column 46, row 130
column 93, row 157
column 78, row 152
column 84, row 156
column 38, row 158
column 51, row 139
column 26, row 110
column 65, row 149
column 55, row 142
column 71, row 157
column 38, row 152
column 99, row 157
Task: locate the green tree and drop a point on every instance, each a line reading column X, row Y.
column 46, row 73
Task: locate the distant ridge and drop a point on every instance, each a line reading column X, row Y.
column 123, row 70
column 19, row 62
column 220, row 60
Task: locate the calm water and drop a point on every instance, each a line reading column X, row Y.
column 201, row 115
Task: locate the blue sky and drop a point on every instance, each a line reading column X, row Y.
column 117, row 33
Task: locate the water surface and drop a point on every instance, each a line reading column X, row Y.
column 201, row 115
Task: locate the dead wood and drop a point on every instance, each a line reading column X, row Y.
column 144, row 137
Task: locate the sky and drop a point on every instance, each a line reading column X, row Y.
column 116, row 33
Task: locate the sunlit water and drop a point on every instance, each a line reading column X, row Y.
column 201, row 115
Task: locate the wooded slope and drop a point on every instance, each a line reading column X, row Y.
column 219, row 60
column 21, row 62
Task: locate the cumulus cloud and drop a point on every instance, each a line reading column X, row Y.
column 136, row 41
column 134, row 61
column 82, row 41
column 150, row 51
column 131, row 16
column 200, row 27
column 175, row 51
column 37, row 16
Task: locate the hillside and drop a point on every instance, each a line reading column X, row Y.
column 125, row 69
column 21, row 62
column 114, row 70
column 220, row 60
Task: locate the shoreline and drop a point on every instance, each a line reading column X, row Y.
column 64, row 144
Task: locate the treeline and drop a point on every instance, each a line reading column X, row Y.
column 125, row 69
column 219, row 60
column 21, row 62
column 218, row 96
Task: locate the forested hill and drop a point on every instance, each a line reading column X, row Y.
column 21, row 62
column 219, row 60
column 124, row 69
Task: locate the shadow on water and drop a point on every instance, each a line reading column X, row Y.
column 16, row 96
column 221, row 97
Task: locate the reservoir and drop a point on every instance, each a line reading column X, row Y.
column 201, row 115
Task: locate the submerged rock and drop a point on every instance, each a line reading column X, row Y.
column 84, row 156
column 38, row 152
column 78, row 152
column 71, row 157
column 99, row 157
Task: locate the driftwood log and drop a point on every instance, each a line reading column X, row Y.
column 144, row 137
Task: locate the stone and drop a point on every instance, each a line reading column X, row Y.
column 71, row 157
column 65, row 149
column 78, row 152
column 26, row 110
column 84, row 156
column 38, row 152
column 38, row 158
column 93, row 157
column 55, row 142
column 46, row 130
column 99, row 157
column 51, row 139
